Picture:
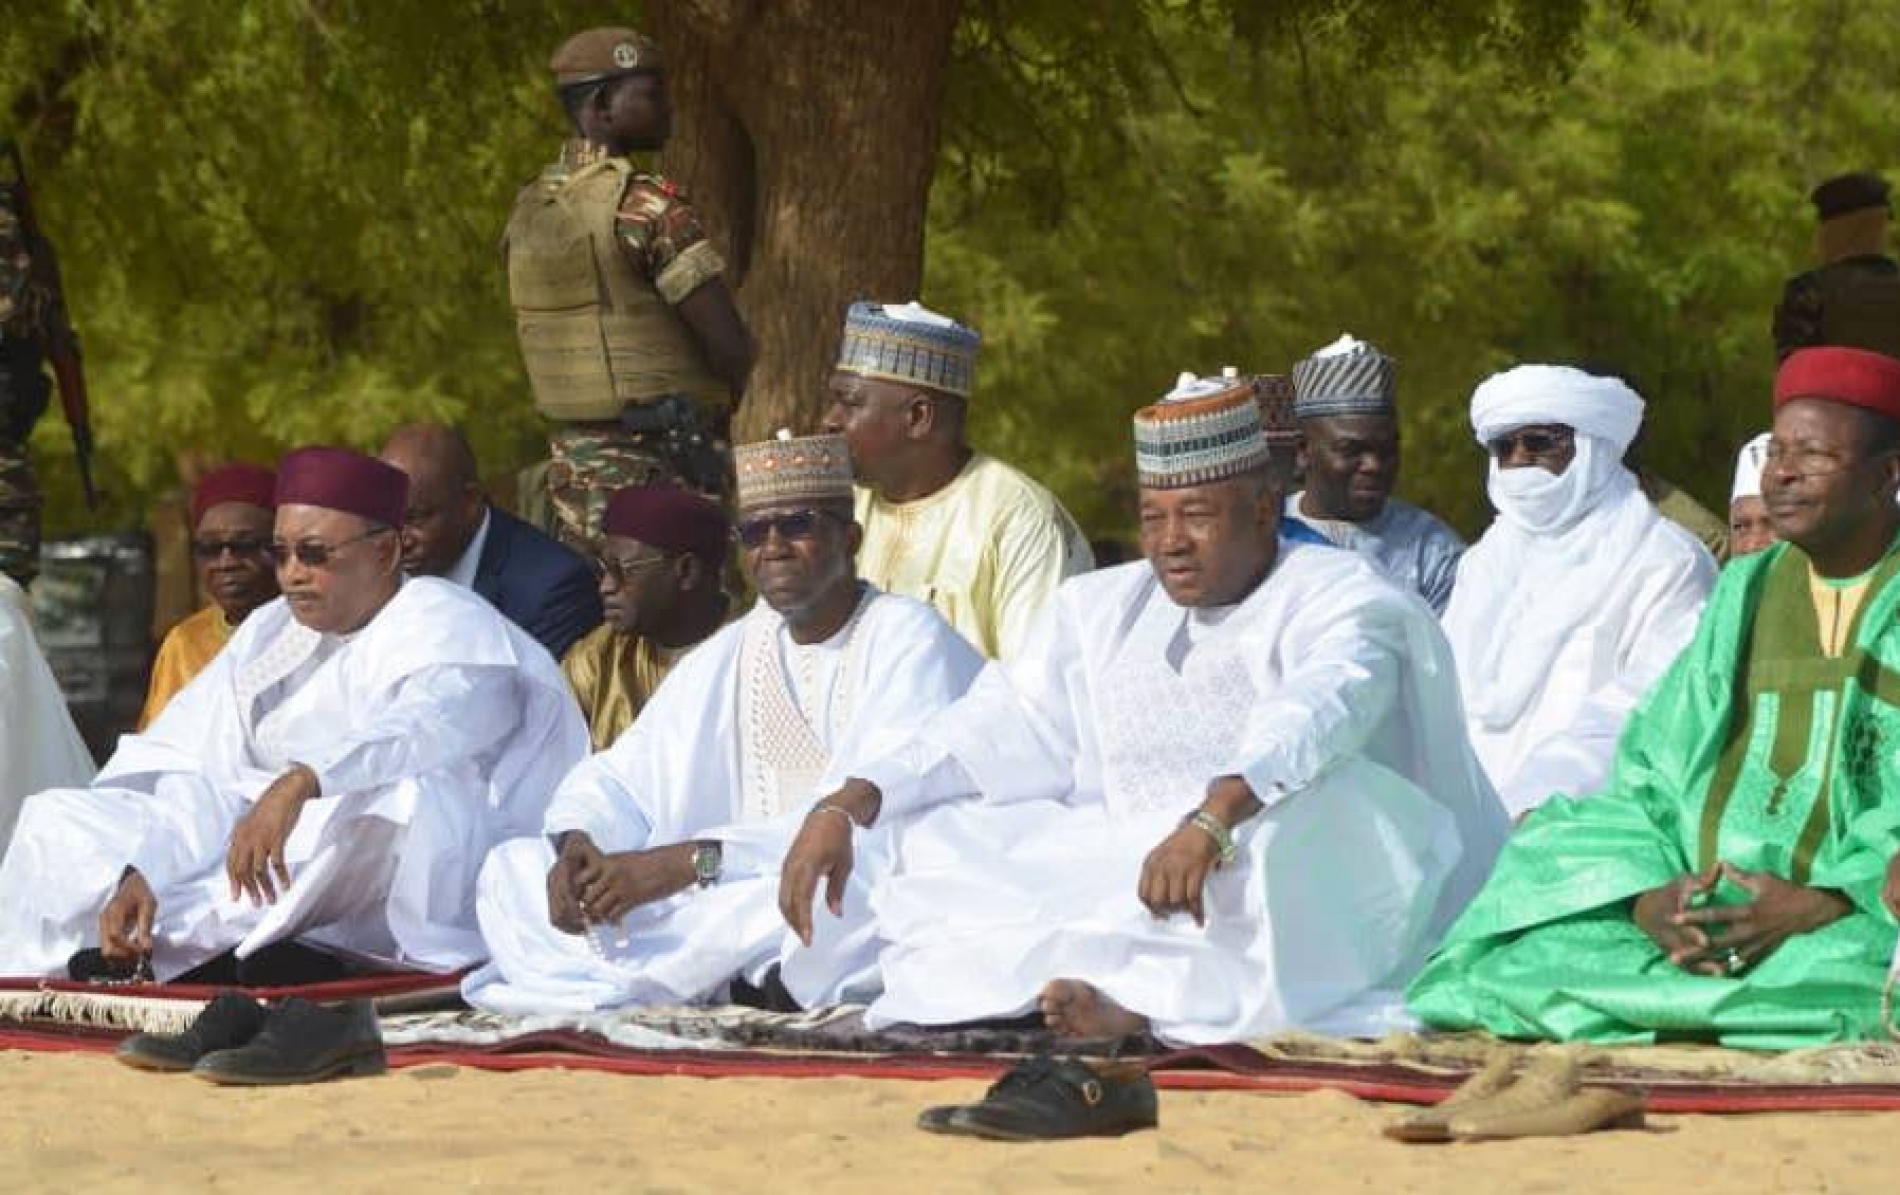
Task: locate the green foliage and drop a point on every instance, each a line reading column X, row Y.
column 279, row 219
column 1638, row 204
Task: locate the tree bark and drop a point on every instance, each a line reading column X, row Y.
column 806, row 133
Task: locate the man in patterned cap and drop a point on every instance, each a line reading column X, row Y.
column 1349, row 457
column 232, row 510
column 952, row 527
column 1725, row 882
column 633, row 345
column 1223, row 791
column 656, row 880
column 327, row 785
column 1853, row 297
column 661, row 569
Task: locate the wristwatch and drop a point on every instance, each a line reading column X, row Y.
column 707, row 861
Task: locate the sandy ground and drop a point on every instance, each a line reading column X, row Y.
column 84, row 1123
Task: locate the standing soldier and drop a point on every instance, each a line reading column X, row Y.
column 34, row 331
column 1853, row 298
column 633, row 345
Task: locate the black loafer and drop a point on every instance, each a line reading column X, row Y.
column 302, row 1042
column 1047, row 1099
column 228, row 1021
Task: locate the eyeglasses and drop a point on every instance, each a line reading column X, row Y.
column 242, row 549
column 314, row 553
column 1533, row 442
column 621, row 570
column 792, row 524
column 1806, row 462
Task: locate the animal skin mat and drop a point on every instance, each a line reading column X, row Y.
column 424, row 1024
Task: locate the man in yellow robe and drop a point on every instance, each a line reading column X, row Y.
column 949, row 526
column 659, row 566
column 232, row 509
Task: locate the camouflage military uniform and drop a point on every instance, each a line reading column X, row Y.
column 665, row 244
column 24, row 392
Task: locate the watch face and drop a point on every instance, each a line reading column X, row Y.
column 706, row 860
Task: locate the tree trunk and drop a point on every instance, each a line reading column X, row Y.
column 806, row 133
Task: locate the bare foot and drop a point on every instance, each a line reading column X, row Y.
column 1076, row 1009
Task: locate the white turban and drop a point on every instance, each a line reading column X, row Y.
column 1601, row 407
column 1748, row 465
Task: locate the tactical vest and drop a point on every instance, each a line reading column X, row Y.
column 595, row 334
column 1860, row 306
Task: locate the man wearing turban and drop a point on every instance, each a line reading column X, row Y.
column 1726, row 882
column 1579, row 594
column 232, row 508
column 328, row 785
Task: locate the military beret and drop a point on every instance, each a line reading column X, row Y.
column 1849, row 193
column 597, row 54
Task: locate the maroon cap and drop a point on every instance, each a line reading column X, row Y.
column 670, row 519
column 339, row 479
column 253, row 485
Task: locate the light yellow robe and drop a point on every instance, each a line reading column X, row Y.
column 986, row 551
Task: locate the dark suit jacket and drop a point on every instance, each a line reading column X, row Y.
column 543, row 586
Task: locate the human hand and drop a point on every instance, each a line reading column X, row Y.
column 256, row 853
column 125, row 923
column 1739, row 936
column 821, row 851
column 1174, row 875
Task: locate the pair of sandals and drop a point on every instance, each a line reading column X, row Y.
column 1545, row 1100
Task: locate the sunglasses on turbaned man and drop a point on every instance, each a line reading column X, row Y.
column 1533, row 443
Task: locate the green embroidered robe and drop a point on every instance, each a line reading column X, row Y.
column 1754, row 749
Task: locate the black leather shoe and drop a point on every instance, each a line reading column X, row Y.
column 228, row 1021
column 1046, row 1099
column 302, row 1042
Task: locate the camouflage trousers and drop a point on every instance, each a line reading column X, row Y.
column 20, row 501
column 589, row 461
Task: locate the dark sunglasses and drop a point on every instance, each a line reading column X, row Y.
column 1534, row 443
column 243, row 549
column 792, row 524
column 314, row 553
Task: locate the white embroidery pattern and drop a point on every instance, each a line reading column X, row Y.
column 1164, row 732
column 781, row 755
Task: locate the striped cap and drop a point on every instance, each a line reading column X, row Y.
column 792, row 469
column 1347, row 377
column 1205, row 430
column 910, row 344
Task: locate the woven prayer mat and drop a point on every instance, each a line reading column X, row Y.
column 716, row 1042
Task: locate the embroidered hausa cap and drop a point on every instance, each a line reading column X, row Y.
column 909, row 343
column 1204, row 430
column 253, row 485
column 597, row 54
column 792, row 468
column 339, row 479
column 1347, row 377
